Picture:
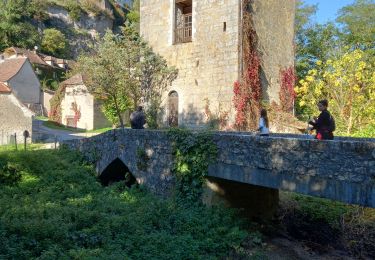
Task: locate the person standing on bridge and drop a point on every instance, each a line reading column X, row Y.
column 263, row 127
column 324, row 124
column 138, row 118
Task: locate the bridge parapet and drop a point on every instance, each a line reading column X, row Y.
column 343, row 169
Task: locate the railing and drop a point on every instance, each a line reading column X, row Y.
column 183, row 35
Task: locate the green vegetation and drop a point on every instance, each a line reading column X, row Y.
column 54, row 42
column 192, row 155
column 137, row 75
column 329, row 223
column 53, row 207
column 336, row 61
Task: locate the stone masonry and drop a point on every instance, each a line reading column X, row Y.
column 343, row 169
column 15, row 118
column 211, row 62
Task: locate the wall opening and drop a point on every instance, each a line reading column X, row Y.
column 183, row 21
column 173, row 109
column 117, row 171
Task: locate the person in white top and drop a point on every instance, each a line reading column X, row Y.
column 263, row 123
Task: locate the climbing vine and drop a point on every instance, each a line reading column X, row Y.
column 287, row 94
column 55, row 102
column 193, row 152
column 248, row 91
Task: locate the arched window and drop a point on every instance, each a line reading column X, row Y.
column 173, row 109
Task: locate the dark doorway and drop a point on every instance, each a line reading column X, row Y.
column 173, row 109
column 117, row 171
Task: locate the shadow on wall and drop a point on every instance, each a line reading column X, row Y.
column 117, row 171
column 192, row 117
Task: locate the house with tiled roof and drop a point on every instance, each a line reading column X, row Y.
column 18, row 74
column 15, row 117
column 50, row 70
column 79, row 108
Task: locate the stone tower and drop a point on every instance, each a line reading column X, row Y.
column 204, row 40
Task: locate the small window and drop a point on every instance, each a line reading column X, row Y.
column 225, row 27
column 183, row 21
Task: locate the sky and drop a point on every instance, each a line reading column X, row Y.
column 327, row 9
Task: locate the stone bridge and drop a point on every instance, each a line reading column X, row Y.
column 342, row 170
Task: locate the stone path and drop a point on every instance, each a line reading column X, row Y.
column 44, row 134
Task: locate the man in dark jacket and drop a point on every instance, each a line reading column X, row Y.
column 138, row 118
column 324, row 123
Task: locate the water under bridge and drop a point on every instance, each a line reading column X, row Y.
column 342, row 169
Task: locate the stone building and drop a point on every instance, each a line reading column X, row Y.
column 79, row 108
column 19, row 76
column 15, row 117
column 205, row 41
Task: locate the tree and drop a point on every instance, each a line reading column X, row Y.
column 349, row 84
column 134, row 15
column 123, row 72
column 16, row 27
column 358, row 22
column 54, row 42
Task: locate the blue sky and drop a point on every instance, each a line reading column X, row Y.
column 327, row 9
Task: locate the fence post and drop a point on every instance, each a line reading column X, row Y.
column 15, row 140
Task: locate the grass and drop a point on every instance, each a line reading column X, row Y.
column 53, row 207
column 54, row 125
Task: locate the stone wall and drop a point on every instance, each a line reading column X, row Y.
column 79, row 95
column 274, row 26
column 342, row 170
column 209, row 65
column 14, row 118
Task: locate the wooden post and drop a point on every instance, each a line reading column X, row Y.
column 15, row 140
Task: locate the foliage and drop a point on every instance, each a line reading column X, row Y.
column 134, row 15
column 137, row 73
column 58, row 210
column 358, row 22
column 109, row 108
column 16, row 27
column 349, row 84
column 247, row 92
column 54, row 42
column 193, row 152
column 55, row 103
column 74, row 9
column 287, row 94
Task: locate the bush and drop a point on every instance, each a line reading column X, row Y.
column 59, row 210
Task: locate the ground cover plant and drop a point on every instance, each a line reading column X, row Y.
column 52, row 207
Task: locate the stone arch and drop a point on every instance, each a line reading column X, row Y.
column 173, row 109
column 117, row 171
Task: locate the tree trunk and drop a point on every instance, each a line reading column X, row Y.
column 118, row 113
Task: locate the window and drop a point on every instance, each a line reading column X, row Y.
column 183, row 21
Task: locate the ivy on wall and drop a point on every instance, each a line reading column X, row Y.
column 248, row 91
column 193, row 152
column 287, row 93
column 55, row 102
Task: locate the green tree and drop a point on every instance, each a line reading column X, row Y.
column 358, row 22
column 124, row 72
column 54, row 42
column 134, row 15
column 16, row 23
column 348, row 82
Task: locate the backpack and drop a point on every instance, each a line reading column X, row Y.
column 332, row 124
